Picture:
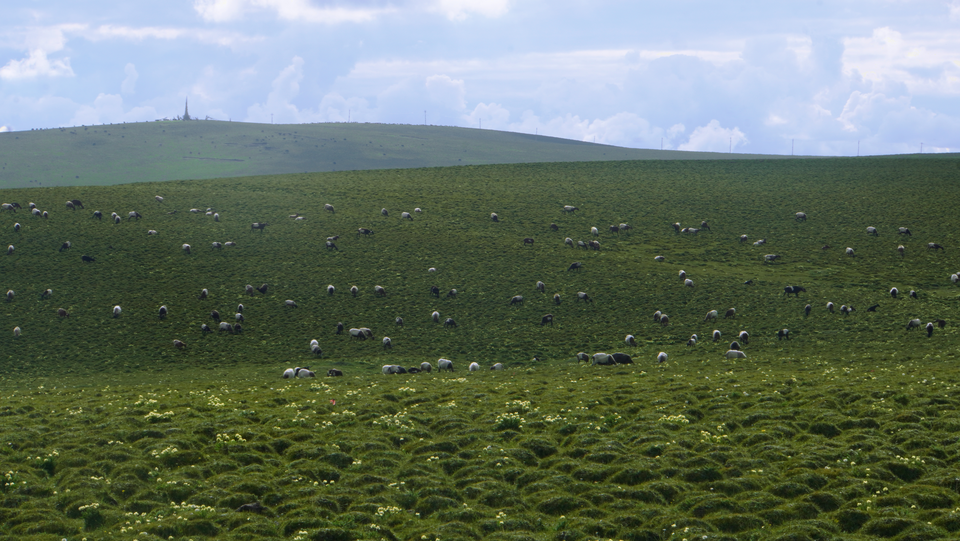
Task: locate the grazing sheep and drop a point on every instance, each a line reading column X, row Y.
column 615, row 229
column 449, row 322
column 731, row 313
column 444, row 364
column 426, row 367
column 516, row 299
column 830, row 307
column 556, row 298
column 339, row 327
column 329, row 207
column 955, row 278
column 186, row 249
column 688, row 282
column 306, row 373
column 158, row 198
column 743, row 238
column 16, row 331
column 783, row 333
column 594, row 231
column 473, row 367
column 383, row 212
column 659, row 258
column 387, row 343
column 406, row 216
column 603, row 359
column 224, row 326
column 290, row 303
column 203, row 294
column 10, row 249
column 151, row 231
column 10, row 295
column 258, row 226
column 354, row 290
column 913, row 294
column 771, row 257
column 435, row 316
column 662, row 357
column 134, row 214
column 735, row 345
column 331, row 290
column 568, row 241
column 631, row 340
column 712, row 314
column 290, row 373
column 657, row 315
column 582, row 357
column 796, row 290
column 331, row 246
column 178, row 344
column 116, row 311
column 570, row 208
column 452, row 294
column 417, row 210
column 62, row 313
column 162, row 313
column 263, row 288
column 934, row 246
column 240, row 308
column 541, row 287
column 528, row 240
column 71, row 206
column 904, row 231
column 801, row 217
column 872, row 231
column 581, row 244
column 760, row 242
column 664, row 320
column 676, row 227
column 47, row 293
column 494, row 217
column 735, row 354
column 692, row 341
column 845, row 310
column 594, row 245
column 87, row 259
column 498, row 366
column 849, row 251
column 900, row 250
column 704, row 225
column 941, row 323
column 744, row 337
column 399, row 321
column 357, row 334
column 364, row 231
column 716, row 335
column 929, row 329
column 548, row 318
column 35, row 212
column 379, row 291
column 806, row 310
column 682, row 274
column 8, row 206
column 16, row 227
column 334, row 373
column 215, row 315
column 576, row 265
column 913, row 324
column 195, row 211
column 216, row 245
column 894, row 292
column 116, row 219
column 238, row 317
column 554, row 227
column 581, row 296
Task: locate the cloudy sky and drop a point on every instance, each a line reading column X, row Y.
column 694, row 75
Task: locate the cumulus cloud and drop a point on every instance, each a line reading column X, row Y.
column 278, row 107
column 129, row 84
column 109, row 108
column 714, row 138
column 446, row 92
column 288, row 10
column 36, row 64
column 4, row 129
column 496, row 116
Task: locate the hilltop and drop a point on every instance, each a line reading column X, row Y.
column 173, row 150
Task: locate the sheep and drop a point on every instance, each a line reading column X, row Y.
column 426, row 367
column 581, row 296
column 186, row 248
column 712, row 314
column 10, row 295
column 258, row 226
column 452, row 294
column 399, row 321
column 339, row 328
column 203, row 294
column 783, row 333
column 771, row 257
column 473, row 367
column 603, row 359
column 65, row 246
column 357, row 334
column 354, row 290
column 731, row 313
column 329, row 207
column 830, row 307
column 894, row 292
column 238, row 317
column 659, row 258
column 941, row 323
column 929, row 329
column 662, row 357
column 624, row 227
column 224, row 326
column 676, row 227
column 664, row 320
column 801, row 216
column 692, row 341
column 796, row 290
column 195, row 211
column 581, row 244
column 134, row 214
column 631, row 340
column 743, row 238
column 215, row 315
column 904, row 231
column 314, row 343
column 494, row 217
column 87, row 259
column 413, row 370
column 435, row 316
column 62, row 313
column 10, row 249
column 554, row 227
column 16, row 331
column 158, row 198
column 151, row 232
column 205, row 328
column 556, row 298
column 716, row 335
column 71, row 206
column 622, row 358
column 387, row 343
column 541, row 287
column 568, row 241
column 179, row 344
column 569, row 208
column 331, row 246
column 913, row 294
column 873, row 308
column 449, row 322
column 47, row 293
column 516, row 299
column 364, row 231
column 582, row 357
column 435, row 291
column 116, row 311
column 849, row 251
column 934, row 246
column 900, row 250
column 497, row 366
column 594, row 231
column 806, row 310
column 657, row 315
column 735, row 354
column 744, row 337
column 116, row 219
column 594, row 245
column 913, row 323
column 682, row 274
column 528, row 240
column 35, row 212
column 955, row 278
column 333, row 373
column 8, row 206
column 872, row 231
column 444, row 364
column 290, row 373
column 547, row 318
column 576, row 265
column 417, row 210
column 379, row 291
column 290, row 303
column 333, row 238
column 306, row 373
column 16, row 227
column 216, row 245
column 162, row 313
column 693, row 230
column 383, row 212
column 735, row 345
column 688, row 282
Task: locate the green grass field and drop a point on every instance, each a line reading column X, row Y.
column 155, row 151
column 846, row 431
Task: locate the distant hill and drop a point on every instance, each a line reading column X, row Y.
column 157, row 151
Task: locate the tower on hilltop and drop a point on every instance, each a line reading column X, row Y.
column 186, row 109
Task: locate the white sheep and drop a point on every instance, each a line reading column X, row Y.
column 849, row 251
column 712, row 314
column 426, row 367
column 240, row 308
column 354, row 290
column 743, row 238
column 290, row 373
column 735, row 354
column 716, row 335
column 900, row 250
column 582, row 357
column 872, row 231
column 830, row 307
column 692, row 341
column 16, row 331
column 955, row 278
column 432, row 269
column 162, row 312
column 744, row 337
column 393, row 369
column 10, row 249
column 474, row 367
column 913, row 324
column 435, row 316
column 631, row 340
column 195, row 211
column 10, row 294
column 444, row 364
column 305, row 373
column 186, row 248
column 594, row 231
column 541, row 287
column 659, row 258
column 760, row 242
column 682, row 274
column 603, row 359
column 406, row 216
column 801, row 217
column 387, row 343
column 378, row 290
column 417, row 210
column 568, row 241
column 151, row 231
column 16, row 227
column 290, row 303
column 224, row 326
column 158, row 198
column 216, row 245
column 116, row 311
column 662, row 357
column 894, row 292
column 688, row 282
column 229, row 243
column 494, row 217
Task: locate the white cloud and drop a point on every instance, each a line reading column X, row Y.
column 925, row 61
column 288, row 10
column 36, row 64
column 458, row 10
column 109, row 108
column 954, row 8
column 714, row 138
column 278, row 107
column 495, row 115
column 129, row 84
column 446, row 92
column 4, row 129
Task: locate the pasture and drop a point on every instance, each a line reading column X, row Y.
column 846, row 430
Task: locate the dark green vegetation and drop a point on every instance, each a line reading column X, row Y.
column 155, row 151
column 847, row 431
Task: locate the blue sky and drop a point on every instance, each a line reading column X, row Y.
column 693, row 75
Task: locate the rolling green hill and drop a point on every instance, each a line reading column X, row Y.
column 155, row 151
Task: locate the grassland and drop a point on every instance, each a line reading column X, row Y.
column 847, row 431
column 156, row 151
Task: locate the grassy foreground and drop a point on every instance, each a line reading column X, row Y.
column 849, row 430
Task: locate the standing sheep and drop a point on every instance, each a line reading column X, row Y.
column 116, row 311
column 331, row 290
column 494, row 217
column 556, row 298
column 631, row 340
column 872, row 231
column 474, row 367
column 716, row 335
column 541, row 287
column 712, row 314
column 444, row 364
column 426, row 367
column 662, row 357
column 387, row 343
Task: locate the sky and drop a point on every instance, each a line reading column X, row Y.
column 812, row 77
